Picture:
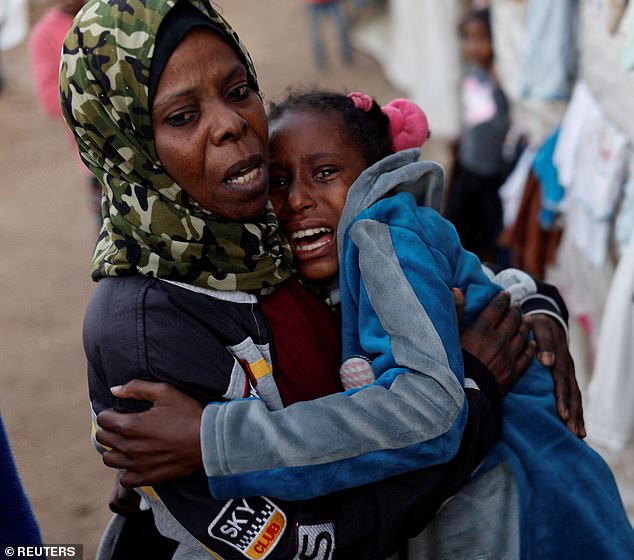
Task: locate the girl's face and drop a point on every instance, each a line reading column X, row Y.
column 476, row 43
column 312, row 166
column 210, row 128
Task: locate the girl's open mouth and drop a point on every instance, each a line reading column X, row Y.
column 311, row 239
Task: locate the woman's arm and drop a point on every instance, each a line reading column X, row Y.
column 548, row 316
column 364, row 523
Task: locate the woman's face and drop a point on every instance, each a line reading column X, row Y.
column 312, row 167
column 210, row 128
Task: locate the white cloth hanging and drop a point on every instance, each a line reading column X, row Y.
column 512, row 190
column 591, row 157
column 423, row 59
column 14, row 23
column 609, row 406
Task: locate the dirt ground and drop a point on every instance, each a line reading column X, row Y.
column 47, row 233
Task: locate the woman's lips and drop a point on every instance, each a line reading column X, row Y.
column 246, row 177
column 244, row 171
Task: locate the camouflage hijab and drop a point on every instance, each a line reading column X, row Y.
column 150, row 225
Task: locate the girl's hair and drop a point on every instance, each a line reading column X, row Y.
column 369, row 130
column 482, row 16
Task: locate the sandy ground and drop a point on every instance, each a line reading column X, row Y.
column 47, row 233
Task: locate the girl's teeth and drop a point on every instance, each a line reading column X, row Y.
column 308, row 232
column 311, row 246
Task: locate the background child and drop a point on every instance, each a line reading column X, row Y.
column 45, row 50
column 473, row 204
column 317, row 10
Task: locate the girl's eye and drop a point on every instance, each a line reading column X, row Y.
column 278, row 183
column 239, row 93
column 183, row 118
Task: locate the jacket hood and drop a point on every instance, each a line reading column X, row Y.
column 400, row 172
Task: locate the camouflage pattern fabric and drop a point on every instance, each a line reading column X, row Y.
column 150, row 225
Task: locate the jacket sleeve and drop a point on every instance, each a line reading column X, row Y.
column 412, row 416
column 368, row 522
column 544, row 299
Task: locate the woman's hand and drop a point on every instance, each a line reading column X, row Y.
column 499, row 338
column 156, row 445
column 553, row 353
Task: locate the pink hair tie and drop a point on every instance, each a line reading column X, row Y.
column 409, row 127
column 361, row 101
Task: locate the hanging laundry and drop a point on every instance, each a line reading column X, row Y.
column 591, row 156
column 550, row 56
column 552, row 190
column 628, row 53
column 608, row 408
column 582, row 107
column 601, row 168
column 513, row 188
column 508, row 25
column 531, row 246
column 624, row 225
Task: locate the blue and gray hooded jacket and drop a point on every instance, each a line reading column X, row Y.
column 541, row 492
column 413, row 415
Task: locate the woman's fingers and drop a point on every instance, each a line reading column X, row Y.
column 155, row 445
column 553, row 352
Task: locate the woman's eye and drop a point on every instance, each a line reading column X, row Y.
column 181, row 119
column 239, row 93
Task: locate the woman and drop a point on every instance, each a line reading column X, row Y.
column 181, row 269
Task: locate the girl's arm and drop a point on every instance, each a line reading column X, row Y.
column 412, row 416
column 364, row 523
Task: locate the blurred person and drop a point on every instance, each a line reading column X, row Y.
column 317, row 10
column 45, row 49
column 18, row 525
column 473, row 204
